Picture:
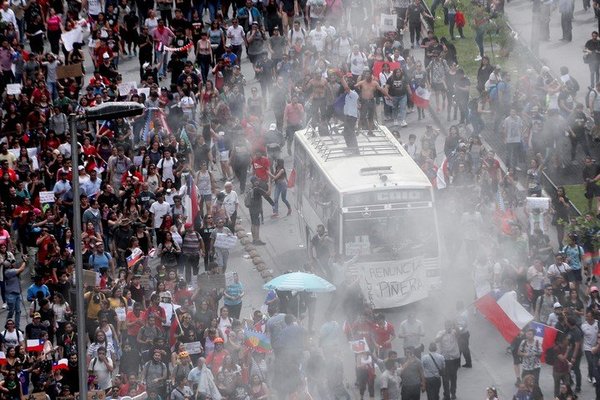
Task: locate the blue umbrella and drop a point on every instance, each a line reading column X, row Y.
column 300, row 282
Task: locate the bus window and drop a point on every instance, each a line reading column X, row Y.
column 387, row 236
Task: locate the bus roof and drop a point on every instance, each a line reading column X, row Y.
column 379, row 154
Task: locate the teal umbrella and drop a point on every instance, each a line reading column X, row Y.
column 300, row 282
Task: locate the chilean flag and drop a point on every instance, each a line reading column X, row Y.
column 420, row 97
column 191, row 199
column 63, row 363
column 135, row 257
column 504, row 312
column 545, row 335
column 34, row 345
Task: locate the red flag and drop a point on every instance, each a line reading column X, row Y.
column 505, row 313
column 3, row 358
column 546, row 335
column 378, row 67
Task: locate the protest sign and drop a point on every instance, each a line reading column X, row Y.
column 46, row 197
column 388, row 23
column 225, row 241
column 193, row 347
column 71, row 37
column 538, row 202
column 125, row 88
column 145, row 91
column 388, row 285
column 90, row 278
column 13, row 88
column 69, row 71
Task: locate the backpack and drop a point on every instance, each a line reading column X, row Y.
column 248, row 197
column 572, row 85
column 106, row 254
column 551, row 355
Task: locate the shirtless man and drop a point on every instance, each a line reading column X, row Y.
column 318, row 89
column 367, row 88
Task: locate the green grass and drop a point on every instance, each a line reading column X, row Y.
column 575, row 193
column 466, row 49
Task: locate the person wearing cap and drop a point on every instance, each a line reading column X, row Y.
column 555, row 315
column 215, row 359
column 35, row 329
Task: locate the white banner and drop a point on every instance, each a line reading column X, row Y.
column 393, row 284
column 225, row 241
column 538, row 202
column 388, row 22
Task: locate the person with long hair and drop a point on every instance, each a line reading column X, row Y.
column 280, row 183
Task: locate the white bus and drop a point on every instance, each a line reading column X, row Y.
column 378, row 209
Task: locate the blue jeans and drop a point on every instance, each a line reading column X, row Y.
column 280, row 189
column 399, row 107
column 479, row 35
column 53, row 89
column 13, row 301
column 160, row 57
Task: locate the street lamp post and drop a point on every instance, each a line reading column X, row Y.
column 105, row 111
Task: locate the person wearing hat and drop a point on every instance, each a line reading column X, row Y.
column 35, row 329
column 555, row 315
column 215, row 359
column 183, row 366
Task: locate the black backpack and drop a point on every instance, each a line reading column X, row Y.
column 248, row 197
column 551, row 355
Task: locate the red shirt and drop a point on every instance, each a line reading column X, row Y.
column 382, row 334
column 158, row 312
column 36, row 96
column 261, row 168
column 133, row 330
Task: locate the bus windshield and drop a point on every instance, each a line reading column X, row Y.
column 391, row 235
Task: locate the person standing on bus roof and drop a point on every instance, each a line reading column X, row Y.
column 350, row 114
column 322, row 249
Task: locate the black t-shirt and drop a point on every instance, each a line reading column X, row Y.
column 183, row 24
column 396, row 86
column 574, row 335
column 594, row 47
column 414, row 13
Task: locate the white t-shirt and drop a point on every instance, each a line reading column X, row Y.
column 358, row 63
column 351, row 104
column 103, row 375
column 318, row 38
column 590, row 334
column 236, row 35
column 167, row 168
column 159, row 211
column 187, row 105
column 12, row 339
column 230, row 201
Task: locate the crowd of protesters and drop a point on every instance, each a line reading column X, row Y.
column 206, row 126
